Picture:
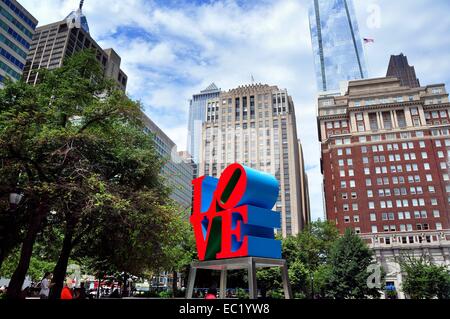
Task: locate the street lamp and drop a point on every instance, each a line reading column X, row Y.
column 15, row 199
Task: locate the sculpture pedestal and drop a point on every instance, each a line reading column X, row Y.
column 249, row 263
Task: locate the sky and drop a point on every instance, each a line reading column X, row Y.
column 173, row 49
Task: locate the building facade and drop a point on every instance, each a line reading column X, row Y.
column 400, row 68
column 17, row 27
column 255, row 125
column 386, row 168
column 337, row 46
column 197, row 116
column 54, row 42
column 177, row 171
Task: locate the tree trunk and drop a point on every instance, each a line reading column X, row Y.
column 18, row 277
column 174, row 283
column 59, row 273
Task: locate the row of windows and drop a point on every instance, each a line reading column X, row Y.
column 400, row 203
column 404, row 215
column 13, row 46
column 11, row 58
column 398, row 99
column 15, row 35
column 389, row 137
column 405, row 228
column 10, row 71
column 16, row 23
column 20, row 13
column 386, row 192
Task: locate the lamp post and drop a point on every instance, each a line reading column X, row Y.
column 15, row 199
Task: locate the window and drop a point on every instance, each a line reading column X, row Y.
column 374, row 229
column 370, row 193
column 438, row 226
column 371, row 205
column 368, row 182
column 346, row 207
column 373, row 217
column 429, row 178
column 354, row 207
column 352, row 184
column 356, row 219
column 436, row 214
column 347, row 219
column 343, row 184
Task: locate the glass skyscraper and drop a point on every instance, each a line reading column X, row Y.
column 197, row 116
column 17, row 27
column 337, row 46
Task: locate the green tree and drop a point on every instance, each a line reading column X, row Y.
column 347, row 276
column 308, row 251
column 424, row 280
column 74, row 145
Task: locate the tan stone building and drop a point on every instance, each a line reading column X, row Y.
column 255, row 125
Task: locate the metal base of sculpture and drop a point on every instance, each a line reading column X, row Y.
column 249, row 263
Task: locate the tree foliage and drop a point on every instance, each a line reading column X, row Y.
column 424, row 280
column 346, row 277
column 74, row 145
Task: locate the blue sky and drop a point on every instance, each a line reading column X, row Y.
column 172, row 49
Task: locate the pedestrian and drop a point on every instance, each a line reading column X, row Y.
column 66, row 292
column 80, row 293
column 212, row 293
column 46, row 284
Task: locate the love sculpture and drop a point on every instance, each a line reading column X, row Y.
column 232, row 216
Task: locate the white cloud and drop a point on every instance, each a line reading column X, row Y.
column 171, row 53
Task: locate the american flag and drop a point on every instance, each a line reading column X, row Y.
column 368, row 40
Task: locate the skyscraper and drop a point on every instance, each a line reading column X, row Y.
column 386, row 169
column 197, row 116
column 56, row 41
column 177, row 171
column 337, row 46
column 400, row 68
column 17, row 27
column 255, row 125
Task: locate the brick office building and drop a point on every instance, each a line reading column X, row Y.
column 386, row 167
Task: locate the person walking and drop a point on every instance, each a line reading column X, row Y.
column 66, row 292
column 212, row 293
column 46, row 284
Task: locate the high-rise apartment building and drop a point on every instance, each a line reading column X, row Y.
column 400, row 68
column 386, row 168
column 255, row 125
column 17, row 27
column 177, row 171
column 197, row 116
column 337, row 46
column 53, row 42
